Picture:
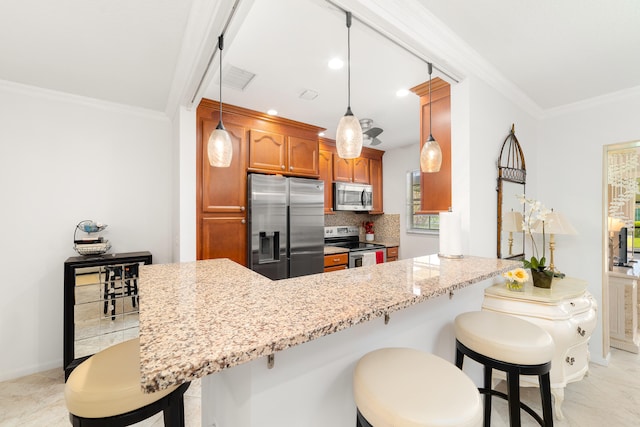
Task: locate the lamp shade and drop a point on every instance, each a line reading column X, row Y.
column 349, row 136
column 219, row 147
column 430, row 156
column 512, row 221
column 555, row 223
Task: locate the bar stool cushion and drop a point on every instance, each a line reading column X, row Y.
column 403, row 387
column 504, row 337
column 108, row 383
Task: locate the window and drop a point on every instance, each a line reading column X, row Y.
column 418, row 223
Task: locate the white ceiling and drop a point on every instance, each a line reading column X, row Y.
column 123, row 51
column 556, row 52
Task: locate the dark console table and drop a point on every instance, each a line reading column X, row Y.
column 100, row 303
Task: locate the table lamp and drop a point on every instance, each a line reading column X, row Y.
column 512, row 221
column 554, row 223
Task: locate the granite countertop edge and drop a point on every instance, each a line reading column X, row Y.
column 168, row 358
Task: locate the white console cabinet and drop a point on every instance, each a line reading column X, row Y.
column 567, row 312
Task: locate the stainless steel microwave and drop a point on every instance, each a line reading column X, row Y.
column 352, row 197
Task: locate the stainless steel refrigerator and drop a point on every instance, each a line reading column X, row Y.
column 286, row 225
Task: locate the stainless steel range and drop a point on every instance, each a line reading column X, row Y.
column 347, row 236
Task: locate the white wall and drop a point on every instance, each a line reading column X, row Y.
column 570, row 180
column 64, row 159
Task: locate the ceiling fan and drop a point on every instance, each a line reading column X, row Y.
column 370, row 133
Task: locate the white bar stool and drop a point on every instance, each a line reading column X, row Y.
column 512, row 345
column 403, row 387
column 105, row 390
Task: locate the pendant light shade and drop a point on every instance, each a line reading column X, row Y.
column 349, row 133
column 349, row 136
column 219, row 148
column 430, row 154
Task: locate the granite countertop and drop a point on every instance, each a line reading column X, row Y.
column 330, row 250
column 201, row 317
column 387, row 243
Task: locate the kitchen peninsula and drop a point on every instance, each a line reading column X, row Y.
column 204, row 317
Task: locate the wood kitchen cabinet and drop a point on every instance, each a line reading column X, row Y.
column 436, row 187
column 351, row 170
column 273, row 152
column 392, row 253
column 335, row 262
column 221, row 192
column 224, row 237
column 366, row 169
column 261, row 143
column 325, row 165
column 375, row 174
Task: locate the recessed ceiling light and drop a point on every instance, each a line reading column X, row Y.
column 336, row 63
column 272, row 112
column 402, row 92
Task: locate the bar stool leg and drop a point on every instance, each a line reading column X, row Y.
column 545, row 395
column 487, row 396
column 513, row 386
column 459, row 358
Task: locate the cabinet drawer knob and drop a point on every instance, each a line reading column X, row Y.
column 570, row 360
column 282, row 167
column 244, row 221
column 336, row 260
column 581, row 331
column 290, row 168
column 242, row 208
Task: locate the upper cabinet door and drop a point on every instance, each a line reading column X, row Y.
column 302, row 156
column 342, row 169
column 267, row 151
column 361, row 170
column 375, row 166
column 326, row 174
column 436, row 187
column 224, row 189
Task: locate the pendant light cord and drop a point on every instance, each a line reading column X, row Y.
column 221, row 46
column 349, row 60
column 430, row 68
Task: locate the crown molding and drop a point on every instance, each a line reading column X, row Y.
column 38, row 92
column 597, row 101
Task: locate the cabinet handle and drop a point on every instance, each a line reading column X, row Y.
column 282, row 167
column 244, row 221
column 242, row 208
column 570, row 360
column 290, row 168
column 581, row 331
column 336, row 259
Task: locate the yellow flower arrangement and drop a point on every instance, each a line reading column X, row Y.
column 516, row 279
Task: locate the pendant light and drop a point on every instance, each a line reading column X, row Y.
column 431, row 154
column 219, row 146
column 349, row 133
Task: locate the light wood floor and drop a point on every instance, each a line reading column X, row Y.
column 609, row 396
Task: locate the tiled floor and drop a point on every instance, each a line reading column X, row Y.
column 609, row 396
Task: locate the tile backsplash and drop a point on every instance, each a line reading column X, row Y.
column 386, row 227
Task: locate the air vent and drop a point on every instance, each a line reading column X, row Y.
column 309, row 95
column 236, row 78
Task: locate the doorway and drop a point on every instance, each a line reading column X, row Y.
column 621, row 247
